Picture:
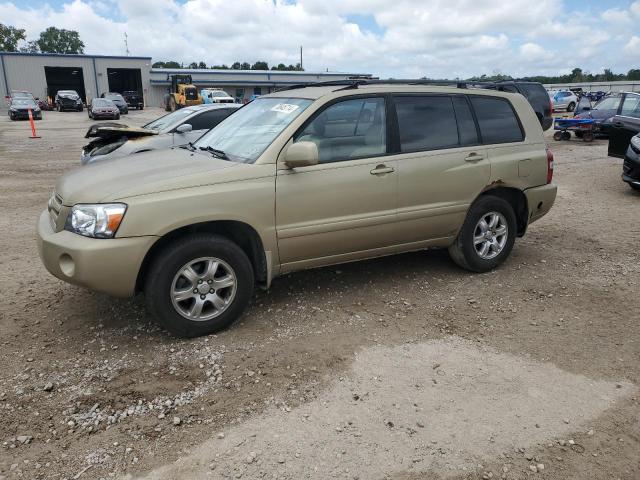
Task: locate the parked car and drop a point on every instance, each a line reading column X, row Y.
column 215, row 95
column 174, row 129
column 118, row 100
column 563, row 100
column 68, row 100
column 134, row 99
column 20, row 106
column 289, row 183
column 535, row 93
column 103, row 108
column 45, row 104
column 604, row 110
column 624, row 138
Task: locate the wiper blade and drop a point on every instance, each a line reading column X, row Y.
column 215, row 152
column 189, row 146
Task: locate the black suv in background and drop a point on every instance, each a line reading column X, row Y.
column 133, row 99
column 534, row 92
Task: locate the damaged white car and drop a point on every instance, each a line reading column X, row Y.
column 114, row 140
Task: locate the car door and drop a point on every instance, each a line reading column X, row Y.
column 344, row 207
column 442, row 166
column 624, row 125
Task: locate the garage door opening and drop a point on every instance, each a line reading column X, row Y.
column 124, row 79
column 64, row 78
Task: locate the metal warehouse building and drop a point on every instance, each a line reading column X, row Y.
column 90, row 75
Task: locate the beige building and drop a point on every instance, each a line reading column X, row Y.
column 90, row 75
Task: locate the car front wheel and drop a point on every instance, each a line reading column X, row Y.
column 487, row 235
column 199, row 285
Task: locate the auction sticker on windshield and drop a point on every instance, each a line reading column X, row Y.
column 285, row 108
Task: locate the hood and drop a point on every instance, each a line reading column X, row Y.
column 111, row 130
column 141, row 174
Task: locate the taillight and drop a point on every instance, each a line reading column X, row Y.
column 549, row 165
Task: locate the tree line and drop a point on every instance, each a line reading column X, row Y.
column 260, row 65
column 52, row 40
column 577, row 75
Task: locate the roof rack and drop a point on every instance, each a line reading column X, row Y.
column 355, row 83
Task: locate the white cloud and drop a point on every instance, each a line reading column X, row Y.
column 438, row 38
column 633, row 47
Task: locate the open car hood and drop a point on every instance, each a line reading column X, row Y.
column 112, row 130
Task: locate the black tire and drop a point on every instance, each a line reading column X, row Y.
column 566, row 135
column 117, row 117
column 578, row 134
column 587, row 137
column 172, row 104
column 557, row 136
column 160, row 277
column 463, row 251
column 59, row 108
column 141, row 107
column 635, row 187
column 571, row 107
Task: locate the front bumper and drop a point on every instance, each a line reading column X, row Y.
column 24, row 114
column 110, row 266
column 540, row 200
column 631, row 167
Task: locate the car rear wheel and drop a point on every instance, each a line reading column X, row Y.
column 199, row 285
column 487, row 235
column 635, row 187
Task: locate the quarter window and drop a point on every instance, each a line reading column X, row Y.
column 497, row 120
column 426, row 123
column 348, row 130
column 631, row 106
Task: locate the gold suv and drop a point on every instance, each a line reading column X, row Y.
column 302, row 178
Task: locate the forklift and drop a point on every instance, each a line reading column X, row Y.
column 183, row 93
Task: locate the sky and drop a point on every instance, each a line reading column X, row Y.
column 387, row 38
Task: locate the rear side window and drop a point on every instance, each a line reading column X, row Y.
column 426, row 123
column 535, row 93
column 497, row 120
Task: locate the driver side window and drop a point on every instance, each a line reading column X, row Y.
column 631, row 106
column 348, row 130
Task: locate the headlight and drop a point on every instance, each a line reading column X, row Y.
column 110, row 147
column 97, row 221
column 635, row 141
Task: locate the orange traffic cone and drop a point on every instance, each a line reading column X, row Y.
column 33, row 126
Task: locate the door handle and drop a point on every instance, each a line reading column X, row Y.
column 473, row 157
column 381, row 169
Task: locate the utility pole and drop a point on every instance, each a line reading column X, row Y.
column 126, row 43
column 301, row 57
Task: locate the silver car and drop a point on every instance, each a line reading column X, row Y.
column 114, row 140
column 563, row 100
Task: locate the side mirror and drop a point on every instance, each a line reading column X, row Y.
column 184, row 128
column 301, row 154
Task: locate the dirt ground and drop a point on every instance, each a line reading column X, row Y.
column 400, row 368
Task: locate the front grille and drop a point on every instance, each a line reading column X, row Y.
column 54, row 206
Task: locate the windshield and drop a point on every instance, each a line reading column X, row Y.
column 216, row 93
column 102, row 102
column 67, row 93
column 114, row 96
column 244, row 135
column 169, row 119
column 609, row 103
column 22, row 101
